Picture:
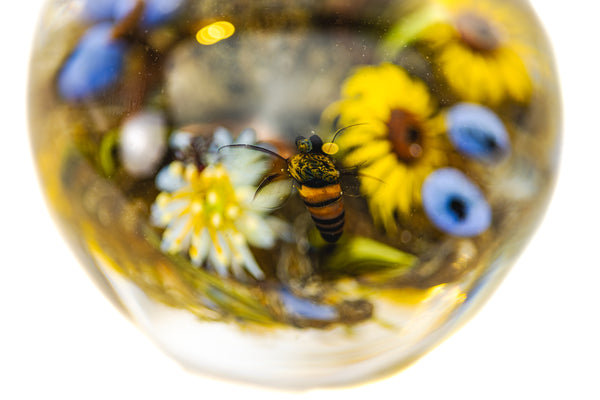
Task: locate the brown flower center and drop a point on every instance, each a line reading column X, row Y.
column 406, row 136
column 478, row 33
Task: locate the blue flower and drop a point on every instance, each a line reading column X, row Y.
column 99, row 10
column 477, row 132
column 94, row 65
column 97, row 61
column 454, row 204
column 156, row 12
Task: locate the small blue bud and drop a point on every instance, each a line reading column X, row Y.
column 477, row 132
column 454, row 204
column 306, row 309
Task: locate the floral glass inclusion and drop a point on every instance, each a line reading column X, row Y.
column 295, row 193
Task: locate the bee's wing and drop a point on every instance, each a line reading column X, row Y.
column 350, row 180
column 273, row 191
column 270, row 176
column 253, row 162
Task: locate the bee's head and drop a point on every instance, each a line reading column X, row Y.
column 303, row 144
column 317, row 143
column 310, row 145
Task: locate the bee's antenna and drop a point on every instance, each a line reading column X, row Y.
column 354, row 172
column 256, row 148
column 335, row 135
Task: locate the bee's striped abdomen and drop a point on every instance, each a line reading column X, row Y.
column 326, row 206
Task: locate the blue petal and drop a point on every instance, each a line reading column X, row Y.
column 94, row 65
column 304, row 308
column 477, row 132
column 99, row 10
column 156, row 12
column 454, row 204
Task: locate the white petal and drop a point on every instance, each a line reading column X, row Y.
column 221, row 137
column 252, row 267
column 202, row 244
column 180, row 140
column 247, row 136
column 170, row 178
column 185, row 241
column 236, row 268
column 256, row 231
column 175, row 234
column 245, row 256
column 220, row 255
column 163, row 215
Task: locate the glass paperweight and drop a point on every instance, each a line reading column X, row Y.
column 295, row 193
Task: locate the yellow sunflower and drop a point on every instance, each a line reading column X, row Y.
column 477, row 48
column 398, row 141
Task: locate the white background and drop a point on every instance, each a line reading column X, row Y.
column 538, row 337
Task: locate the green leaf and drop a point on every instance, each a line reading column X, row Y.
column 411, row 27
column 359, row 255
column 106, row 153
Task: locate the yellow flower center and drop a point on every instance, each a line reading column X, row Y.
column 213, row 198
column 406, row 135
column 478, row 33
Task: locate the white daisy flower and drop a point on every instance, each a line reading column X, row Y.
column 210, row 213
